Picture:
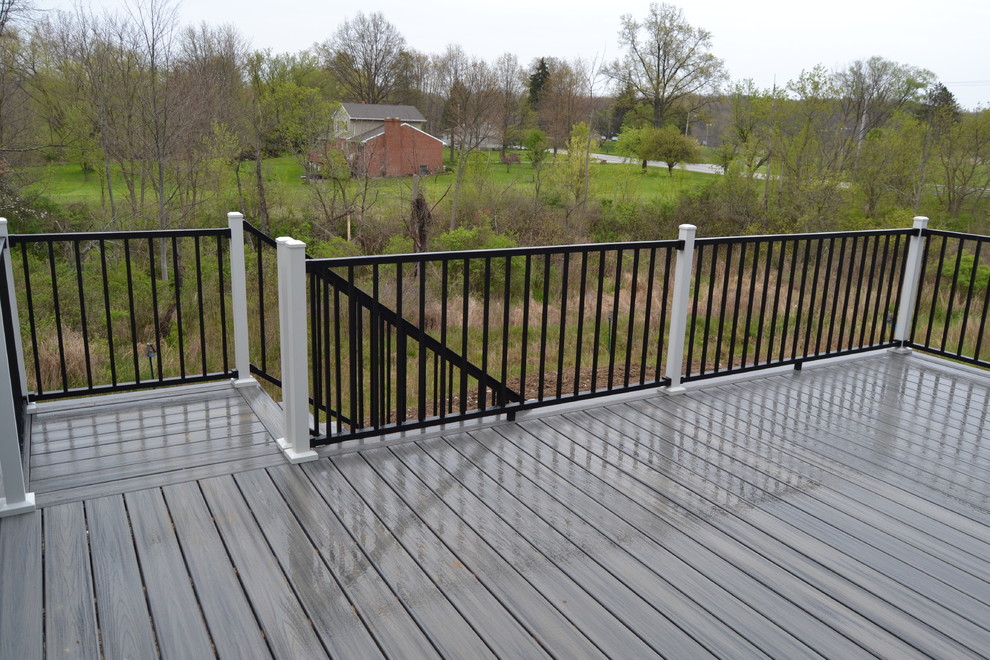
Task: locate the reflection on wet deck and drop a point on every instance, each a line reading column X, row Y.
column 839, row 511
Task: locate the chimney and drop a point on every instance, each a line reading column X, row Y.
column 391, row 127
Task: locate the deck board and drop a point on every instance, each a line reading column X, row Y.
column 505, row 578
column 423, row 599
column 334, row 618
column 560, row 571
column 125, row 625
column 839, row 511
column 70, row 614
column 182, row 633
column 387, row 621
column 226, row 608
column 21, row 598
column 505, row 635
column 287, row 628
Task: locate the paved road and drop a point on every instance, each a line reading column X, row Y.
column 704, row 168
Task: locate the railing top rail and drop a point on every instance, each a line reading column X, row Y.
column 956, row 234
column 16, row 239
column 265, row 238
column 421, row 257
column 721, row 240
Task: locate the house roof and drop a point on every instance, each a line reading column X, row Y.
column 380, row 130
column 379, row 111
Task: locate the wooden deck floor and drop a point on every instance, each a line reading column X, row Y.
column 842, row 511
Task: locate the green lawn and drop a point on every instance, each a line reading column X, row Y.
column 289, row 194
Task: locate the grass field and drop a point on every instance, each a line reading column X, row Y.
column 66, row 184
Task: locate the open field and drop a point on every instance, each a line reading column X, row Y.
column 66, row 184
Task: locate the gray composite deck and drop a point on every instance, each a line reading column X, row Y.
column 842, row 511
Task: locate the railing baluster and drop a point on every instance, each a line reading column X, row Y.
column 421, row 344
column 663, row 316
column 614, row 324
column 132, row 312
column 983, row 320
column 580, row 322
column 82, row 313
column 506, row 303
column 708, row 309
column 177, row 286
column 446, row 377
column 795, row 355
column 787, row 305
column 861, row 246
column 56, row 301
column 952, row 295
column 565, row 274
column 722, row 305
column 737, row 304
column 973, row 275
column 867, row 319
column 598, row 320
column 400, row 347
column 543, row 327
column 485, row 311
column 524, row 358
column 647, row 318
column 199, row 302
column 892, row 284
column 632, row 318
column 757, row 353
column 847, row 309
column 465, row 319
column 153, row 278
column 750, row 294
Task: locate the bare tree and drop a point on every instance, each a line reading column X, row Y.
column 667, row 60
column 366, row 55
column 472, row 101
column 12, row 11
column 564, row 100
column 873, row 90
column 508, row 78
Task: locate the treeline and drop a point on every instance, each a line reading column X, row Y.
column 176, row 123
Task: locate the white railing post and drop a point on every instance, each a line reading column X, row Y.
column 9, row 274
column 912, row 284
column 295, row 368
column 679, row 308
column 238, row 293
column 15, row 499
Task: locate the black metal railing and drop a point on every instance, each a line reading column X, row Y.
column 116, row 311
column 408, row 341
column 261, row 264
column 764, row 301
column 953, row 303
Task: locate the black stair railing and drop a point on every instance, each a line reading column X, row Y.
column 402, row 342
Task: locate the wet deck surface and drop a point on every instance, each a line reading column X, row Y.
column 842, row 511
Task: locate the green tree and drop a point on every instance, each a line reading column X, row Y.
column 964, row 162
column 667, row 144
column 537, row 81
column 537, row 143
column 570, row 175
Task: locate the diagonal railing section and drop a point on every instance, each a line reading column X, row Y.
column 402, row 342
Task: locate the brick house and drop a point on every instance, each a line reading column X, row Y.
column 396, row 148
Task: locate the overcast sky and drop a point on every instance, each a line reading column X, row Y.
column 773, row 39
